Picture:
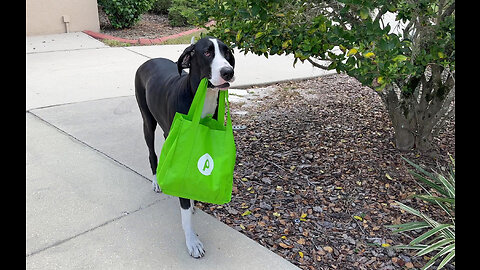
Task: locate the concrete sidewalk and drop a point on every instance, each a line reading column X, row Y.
column 89, row 198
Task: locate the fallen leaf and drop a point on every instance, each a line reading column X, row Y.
column 283, row 245
column 328, row 249
column 301, row 254
column 358, row 217
column 385, row 245
column 388, row 176
column 301, row 241
column 276, row 214
column 246, row 213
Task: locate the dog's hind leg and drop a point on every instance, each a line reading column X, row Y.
column 194, row 246
column 149, row 126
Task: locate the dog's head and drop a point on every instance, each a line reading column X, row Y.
column 212, row 59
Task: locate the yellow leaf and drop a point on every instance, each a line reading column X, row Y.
column 283, row 237
column 276, row 214
column 358, row 217
column 241, row 226
column 385, row 245
column 352, row 51
column 304, row 215
column 301, row 254
column 302, row 219
column 388, row 176
column 244, row 179
column 286, row 44
column 246, row 213
column 380, row 80
column 239, row 36
column 441, row 55
column 259, row 34
column 369, row 55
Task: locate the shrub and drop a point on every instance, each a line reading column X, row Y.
column 124, row 13
column 440, row 191
column 161, row 6
column 181, row 12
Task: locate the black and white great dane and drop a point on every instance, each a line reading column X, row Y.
column 163, row 88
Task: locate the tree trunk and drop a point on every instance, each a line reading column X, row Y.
column 419, row 113
column 402, row 119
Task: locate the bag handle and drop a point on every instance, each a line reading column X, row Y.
column 195, row 111
column 223, row 106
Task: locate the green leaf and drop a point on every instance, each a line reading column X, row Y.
column 259, row 35
column 429, row 233
column 409, row 226
column 400, row 58
column 435, row 246
column 447, row 258
column 364, row 13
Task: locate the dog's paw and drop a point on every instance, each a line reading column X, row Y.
column 194, row 246
column 155, row 185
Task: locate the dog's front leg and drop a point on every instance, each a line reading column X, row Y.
column 194, row 246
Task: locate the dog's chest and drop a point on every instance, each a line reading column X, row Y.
column 210, row 102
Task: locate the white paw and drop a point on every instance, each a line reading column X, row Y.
column 192, row 203
column 155, row 185
column 195, row 247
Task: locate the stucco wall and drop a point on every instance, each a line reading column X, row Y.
column 46, row 16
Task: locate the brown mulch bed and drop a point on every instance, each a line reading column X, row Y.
column 150, row 26
column 317, row 176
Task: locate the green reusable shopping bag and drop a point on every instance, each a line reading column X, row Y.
column 198, row 156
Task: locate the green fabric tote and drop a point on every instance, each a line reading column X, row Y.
column 198, row 156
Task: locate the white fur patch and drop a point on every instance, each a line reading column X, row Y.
column 155, row 185
column 194, row 246
column 210, row 102
column 218, row 63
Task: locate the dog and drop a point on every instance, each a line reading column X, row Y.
column 163, row 88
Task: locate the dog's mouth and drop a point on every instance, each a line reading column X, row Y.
column 225, row 85
column 222, row 86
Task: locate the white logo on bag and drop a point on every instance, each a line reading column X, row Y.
column 205, row 164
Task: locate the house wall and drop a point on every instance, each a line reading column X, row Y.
column 46, row 16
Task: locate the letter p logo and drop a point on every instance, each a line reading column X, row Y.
column 205, row 164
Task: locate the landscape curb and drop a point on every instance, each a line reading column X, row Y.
column 144, row 41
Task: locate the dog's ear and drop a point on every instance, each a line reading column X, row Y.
column 185, row 58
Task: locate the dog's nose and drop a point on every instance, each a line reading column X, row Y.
column 226, row 73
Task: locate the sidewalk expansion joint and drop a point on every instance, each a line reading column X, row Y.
column 89, row 146
column 124, row 214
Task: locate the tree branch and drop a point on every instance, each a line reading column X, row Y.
column 317, row 64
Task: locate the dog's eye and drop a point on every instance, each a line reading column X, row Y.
column 207, row 53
